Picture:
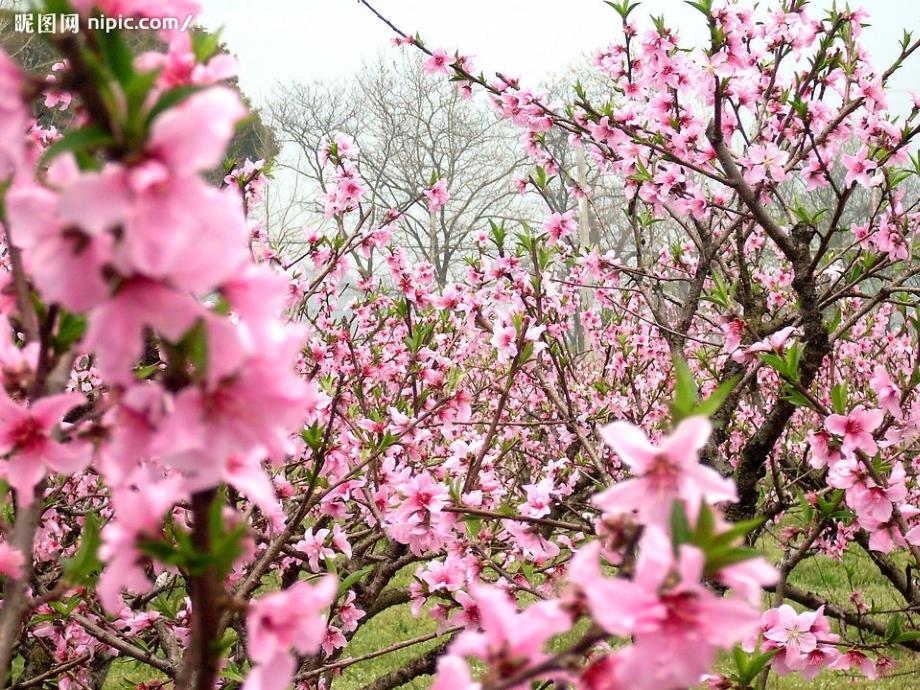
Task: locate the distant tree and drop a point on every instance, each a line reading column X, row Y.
column 412, row 129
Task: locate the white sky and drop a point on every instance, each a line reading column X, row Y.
column 282, row 40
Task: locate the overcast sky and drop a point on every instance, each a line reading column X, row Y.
column 283, row 40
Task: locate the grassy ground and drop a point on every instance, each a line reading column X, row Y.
column 820, row 574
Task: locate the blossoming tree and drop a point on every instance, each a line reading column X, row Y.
column 224, row 459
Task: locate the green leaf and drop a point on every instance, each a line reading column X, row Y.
column 685, row 390
column 893, row 631
column 77, row 141
column 623, row 8
column 737, row 531
column 171, row 98
column 117, row 55
column 227, row 548
column 356, row 576
column 756, row 665
column 839, row 398
column 313, row 436
column 205, row 44
column 160, row 551
column 232, row 672
column 795, row 397
column 793, row 356
column 705, row 524
column 704, row 6
column 711, row 404
column 498, row 233
column 719, row 558
column 85, row 563
column 540, row 177
column 777, row 363
column 70, row 329
column 145, row 372
column 741, row 660
column 194, row 346
column 680, row 526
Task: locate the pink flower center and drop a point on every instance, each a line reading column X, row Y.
column 663, row 475
column 27, row 433
column 682, row 611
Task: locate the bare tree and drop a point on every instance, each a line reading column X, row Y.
column 411, row 129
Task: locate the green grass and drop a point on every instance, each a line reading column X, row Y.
column 820, row 574
column 836, row 581
column 829, row 578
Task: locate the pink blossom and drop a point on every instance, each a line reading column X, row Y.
column 332, row 640
column 793, row 630
column 314, row 548
column 15, row 363
column 560, row 225
column 822, row 452
column 438, row 62
column 663, row 473
column 26, row 436
column 193, row 136
column 14, row 117
column 677, row 623
column 447, row 575
column 856, row 659
column 138, row 514
column 453, row 674
column 775, row 342
column 504, row 340
column 804, row 638
column 11, row 560
column 733, row 330
column 859, row 167
column 116, row 329
column 508, row 637
column 437, row 196
column 284, row 621
column 66, row 263
column 348, row 613
column 765, row 161
column 856, row 429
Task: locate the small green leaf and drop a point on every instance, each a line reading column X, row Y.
column 352, row 579
column 711, row 404
column 839, row 398
column 719, row 558
column 313, row 436
column 685, row 390
column 117, row 55
column 741, row 660
column 680, row 526
column 85, row 564
column 70, row 329
column 194, row 346
column 171, row 98
column 795, row 397
column 757, row 664
column 893, row 631
column 77, row 141
column 777, row 363
column 205, row 44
